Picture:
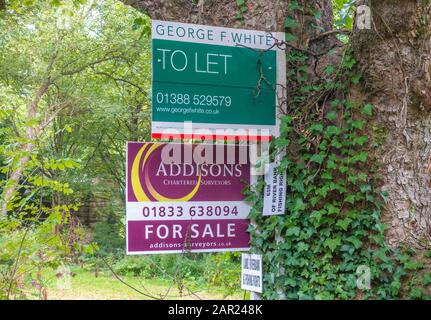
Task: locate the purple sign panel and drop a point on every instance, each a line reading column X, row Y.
column 186, row 198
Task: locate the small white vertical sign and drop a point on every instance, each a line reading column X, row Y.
column 251, row 272
column 274, row 201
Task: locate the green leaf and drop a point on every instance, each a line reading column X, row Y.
column 317, row 127
column 344, row 224
column 68, row 128
column 294, row 231
column 350, row 199
column 357, row 243
column 290, row 37
column 356, row 78
column 290, row 23
column 358, row 124
column 298, row 185
column 329, row 69
column 363, row 156
column 332, row 244
column 332, row 131
column 318, row 158
column 368, row 109
column 331, row 116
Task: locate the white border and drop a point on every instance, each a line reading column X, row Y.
column 134, row 253
column 221, row 36
column 134, row 210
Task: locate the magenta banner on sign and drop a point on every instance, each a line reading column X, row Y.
column 186, row 198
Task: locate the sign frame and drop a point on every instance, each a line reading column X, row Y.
column 243, row 209
column 219, row 37
column 252, row 273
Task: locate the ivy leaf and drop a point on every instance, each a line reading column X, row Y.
column 290, row 37
column 299, row 205
column 414, row 265
column 355, row 241
column 358, row 124
column 318, row 158
column 317, row 127
column 368, row 109
column 294, row 6
column 290, row 23
column 360, row 140
column 302, row 247
column 344, row 224
column 365, row 188
column 331, row 116
column 350, row 199
column 332, row 244
column 331, row 165
column 329, row 69
column 294, row 231
column 332, row 131
column 363, row 156
column 298, row 185
column 356, row 78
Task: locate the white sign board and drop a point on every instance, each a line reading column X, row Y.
column 274, row 201
column 251, row 272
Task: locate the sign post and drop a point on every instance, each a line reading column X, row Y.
column 251, row 272
column 274, row 201
column 222, row 80
column 181, row 199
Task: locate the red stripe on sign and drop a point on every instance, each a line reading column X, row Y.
column 210, row 137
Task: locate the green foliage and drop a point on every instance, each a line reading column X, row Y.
column 243, row 8
column 108, row 236
column 221, row 270
column 224, row 270
column 96, row 98
column 20, row 5
column 343, row 13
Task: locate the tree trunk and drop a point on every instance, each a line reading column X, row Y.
column 267, row 15
column 27, row 148
column 395, row 59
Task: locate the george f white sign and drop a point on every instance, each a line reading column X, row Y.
column 251, row 272
column 275, row 192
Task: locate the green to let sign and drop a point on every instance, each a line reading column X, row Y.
column 220, row 80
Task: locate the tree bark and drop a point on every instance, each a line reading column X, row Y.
column 395, row 59
column 267, row 15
